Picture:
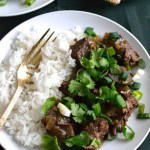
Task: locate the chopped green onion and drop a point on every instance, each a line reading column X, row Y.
column 107, row 80
column 29, row 2
column 136, row 86
column 3, row 2
column 104, row 62
column 114, row 36
column 127, row 65
column 96, row 143
column 143, row 116
column 97, row 109
column 111, row 51
column 141, row 108
column 119, row 101
column 142, row 64
column 110, row 138
column 125, row 75
column 115, row 69
column 90, row 32
column 130, row 135
column 137, row 94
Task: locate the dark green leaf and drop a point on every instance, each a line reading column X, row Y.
column 111, row 51
column 97, row 109
column 119, row 101
column 142, row 64
column 67, row 101
column 49, row 103
column 80, row 140
column 49, row 143
column 78, row 113
column 86, row 63
column 90, row 32
column 114, row 36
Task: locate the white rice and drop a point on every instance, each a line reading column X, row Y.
column 25, row 120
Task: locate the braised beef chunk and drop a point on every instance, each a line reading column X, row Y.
column 98, row 129
column 82, row 47
column 64, row 88
column 129, row 54
column 58, row 125
column 126, row 112
column 123, row 48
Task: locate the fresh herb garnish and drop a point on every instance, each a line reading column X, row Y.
column 90, row 32
column 49, row 143
column 80, row 140
column 49, row 103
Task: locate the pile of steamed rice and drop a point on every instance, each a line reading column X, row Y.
column 24, row 122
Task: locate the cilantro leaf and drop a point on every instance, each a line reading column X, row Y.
column 86, row 63
column 86, row 80
column 80, row 140
column 91, row 114
column 49, row 143
column 75, row 87
column 49, row 103
column 90, row 32
column 78, row 113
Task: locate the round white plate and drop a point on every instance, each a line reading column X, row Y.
column 67, row 20
column 16, row 7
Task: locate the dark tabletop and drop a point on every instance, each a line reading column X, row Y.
column 134, row 15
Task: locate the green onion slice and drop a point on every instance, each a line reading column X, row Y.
column 136, row 86
column 96, row 143
column 128, row 133
column 142, row 64
column 137, row 94
column 114, row 36
column 141, row 108
column 125, row 75
column 144, row 116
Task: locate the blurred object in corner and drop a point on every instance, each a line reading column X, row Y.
column 114, row 2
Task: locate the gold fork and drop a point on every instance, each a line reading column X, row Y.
column 24, row 72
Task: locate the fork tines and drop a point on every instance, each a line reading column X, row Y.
column 34, row 56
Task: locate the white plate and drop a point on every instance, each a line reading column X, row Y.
column 16, row 7
column 67, row 20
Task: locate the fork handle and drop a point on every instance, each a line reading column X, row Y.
column 10, row 106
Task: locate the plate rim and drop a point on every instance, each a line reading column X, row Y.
column 26, row 11
column 93, row 14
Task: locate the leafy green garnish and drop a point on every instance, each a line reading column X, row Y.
column 49, row 143
column 78, row 113
column 114, row 36
column 90, row 32
column 80, row 140
column 142, row 64
column 97, row 109
column 67, row 101
column 49, row 103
